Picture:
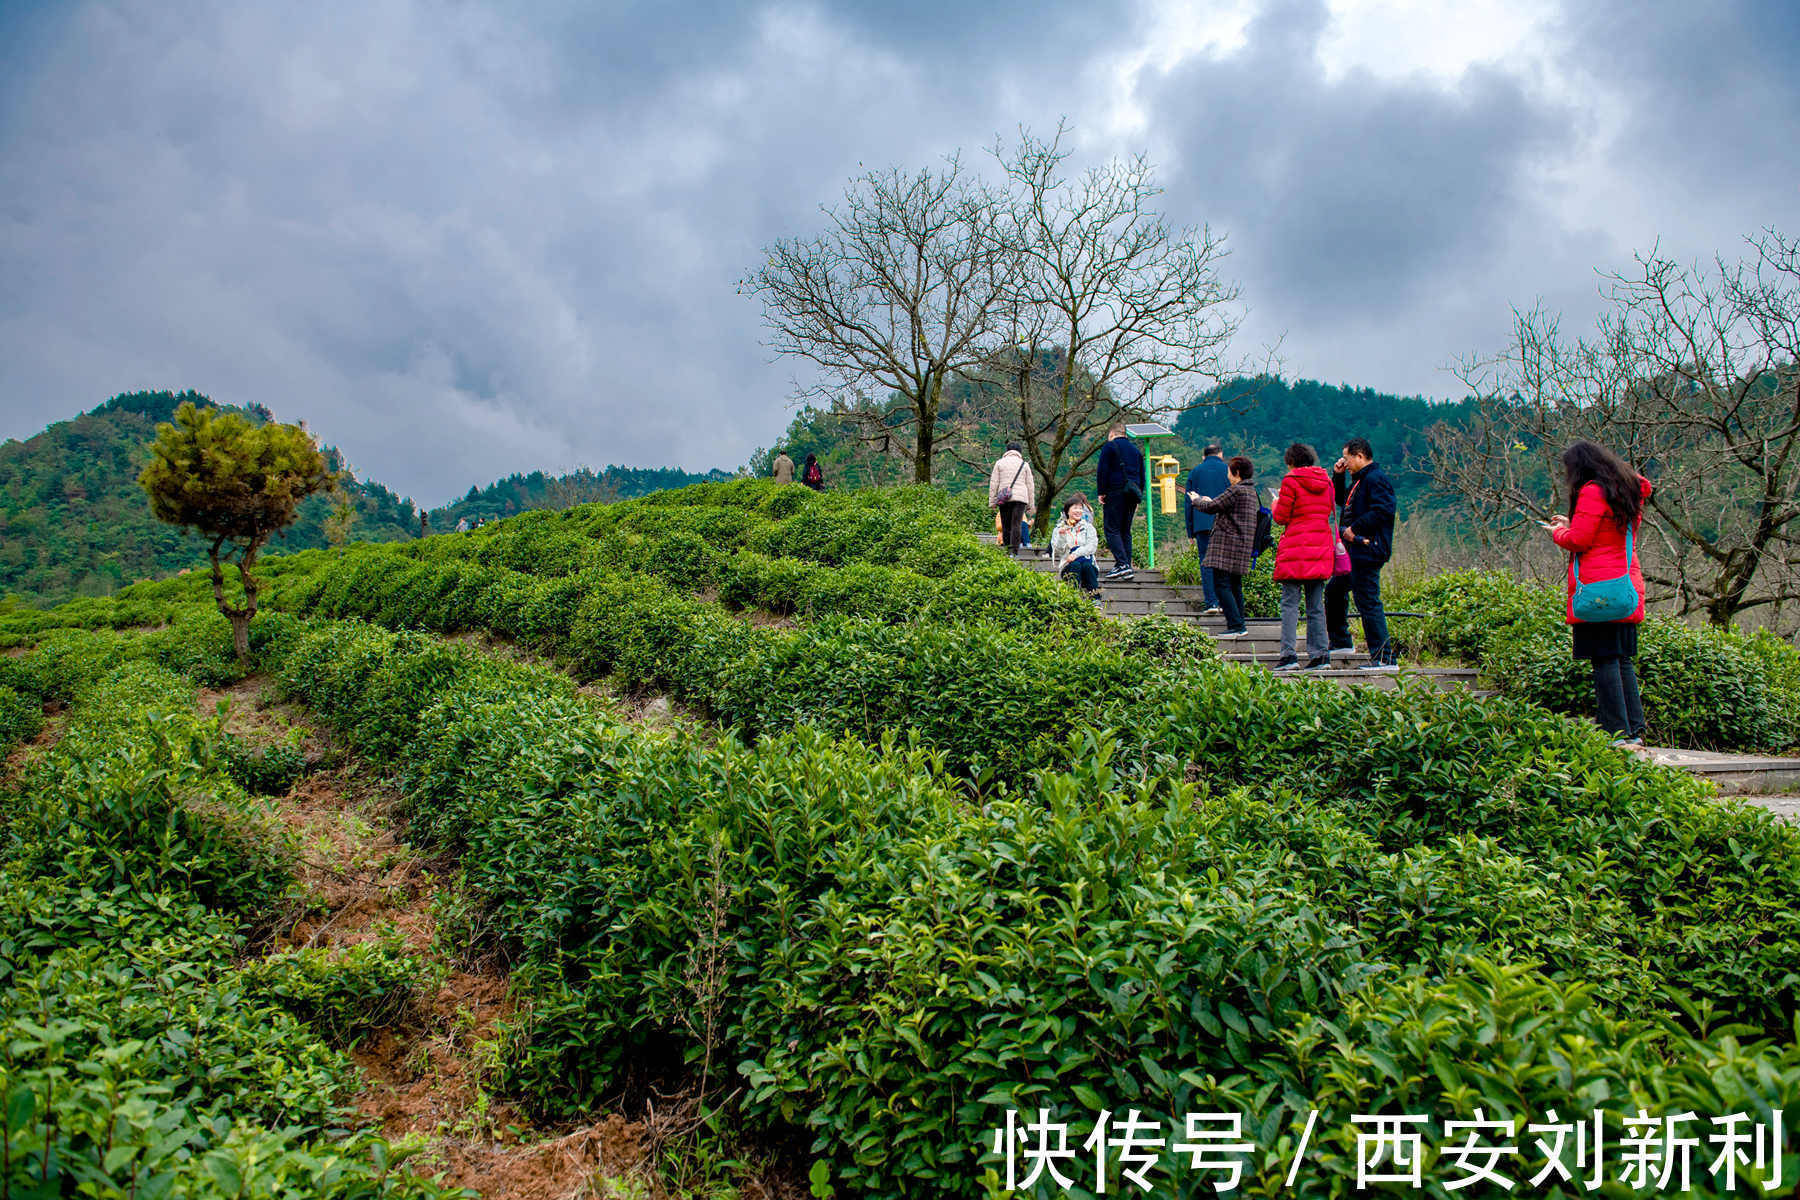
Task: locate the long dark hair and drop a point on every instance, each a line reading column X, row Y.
column 1589, row 462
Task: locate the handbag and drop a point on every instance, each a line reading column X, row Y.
column 1340, row 554
column 1612, row 599
column 1004, row 495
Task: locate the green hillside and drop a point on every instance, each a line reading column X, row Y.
column 1261, row 416
column 73, row 521
column 522, row 493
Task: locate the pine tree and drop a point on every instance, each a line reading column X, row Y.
column 238, row 484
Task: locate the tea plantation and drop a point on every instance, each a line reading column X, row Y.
column 937, row 849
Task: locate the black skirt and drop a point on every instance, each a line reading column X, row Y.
column 1606, row 639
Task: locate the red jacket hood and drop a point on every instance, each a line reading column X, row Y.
column 1311, row 479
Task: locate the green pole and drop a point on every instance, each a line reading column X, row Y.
column 1149, row 508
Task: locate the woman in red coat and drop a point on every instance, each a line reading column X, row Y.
column 1303, row 557
column 1606, row 500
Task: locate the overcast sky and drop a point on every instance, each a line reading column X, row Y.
column 463, row 239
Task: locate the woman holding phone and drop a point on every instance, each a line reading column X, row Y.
column 1606, row 509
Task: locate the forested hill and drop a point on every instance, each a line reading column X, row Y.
column 73, row 520
column 519, row 493
column 1262, row 416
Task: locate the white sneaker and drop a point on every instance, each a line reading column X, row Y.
column 1228, row 634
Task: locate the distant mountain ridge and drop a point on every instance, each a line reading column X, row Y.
column 73, row 520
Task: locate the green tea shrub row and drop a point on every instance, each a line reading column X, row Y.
column 1702, row 688
column 1708, row 893
column 832, row 931
column 134, row 797
column 1416, row 769
column 846, row 675
column 132, row 1063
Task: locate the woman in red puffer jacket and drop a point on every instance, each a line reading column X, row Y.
column 1606, row 500
column 1304, row 556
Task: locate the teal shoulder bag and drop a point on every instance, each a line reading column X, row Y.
column 1606, row 599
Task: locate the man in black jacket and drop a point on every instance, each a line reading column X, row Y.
column 1119, row 478
column 1366, row 497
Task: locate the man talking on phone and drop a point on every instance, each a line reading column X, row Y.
column 1366, row 496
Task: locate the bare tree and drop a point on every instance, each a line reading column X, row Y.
column 899, row 294
column 1692, row 376
column 1111, row 312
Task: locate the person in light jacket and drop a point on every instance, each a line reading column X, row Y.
column 1606, row 500
column 1011, row 479
column 1233, row 539
column 1073, row 545
column 782, row 468
column 1304, row 556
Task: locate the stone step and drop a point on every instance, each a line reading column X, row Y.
column 1449, row 679
column 1234, row 652
column 1735, row 774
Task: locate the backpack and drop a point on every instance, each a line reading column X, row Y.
column 814, row 474
column 1265, row 532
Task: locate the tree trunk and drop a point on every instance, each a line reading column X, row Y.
column 927, row 436
column 239, row 617
column 240, row 636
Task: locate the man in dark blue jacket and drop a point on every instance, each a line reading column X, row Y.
column 1210, row 477
column 1120, row 482
column 1366, row 497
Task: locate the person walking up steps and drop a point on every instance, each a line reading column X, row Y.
column 1209, row 478
column 813, row 475
column 1233, row 539
column 1367, row 498
column 782, row 468
column 1605, row 590
column 1304, row 555
column 1119, row 478
column 1012, row 492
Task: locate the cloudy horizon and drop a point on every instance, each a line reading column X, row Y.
column 461, row 240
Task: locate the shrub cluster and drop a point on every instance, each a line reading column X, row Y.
column 134, row 1063
column 829, row 929
column 1702, row 688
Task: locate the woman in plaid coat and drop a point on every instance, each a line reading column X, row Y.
column 1233, row 538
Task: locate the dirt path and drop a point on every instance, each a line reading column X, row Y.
column 428, row 1076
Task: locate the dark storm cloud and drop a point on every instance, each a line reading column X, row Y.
column 458, row 240
column 1351, row 204
column 464, row 239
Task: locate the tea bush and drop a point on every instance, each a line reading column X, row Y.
column 344, row 994
column 267, row 770
column 832, row 930
column 132, row 1061
column 1702, row 688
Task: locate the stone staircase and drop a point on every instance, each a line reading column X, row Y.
column 1149, row 593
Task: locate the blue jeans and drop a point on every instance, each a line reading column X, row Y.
column 1365, row 582
column 1208, row 588
column 1084, row 573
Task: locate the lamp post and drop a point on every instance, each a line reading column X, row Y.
column 1146, row 431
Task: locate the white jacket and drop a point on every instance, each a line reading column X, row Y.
column 1067, row 545
column 1008, row 465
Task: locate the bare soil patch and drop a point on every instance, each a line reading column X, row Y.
column 428, row 1076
